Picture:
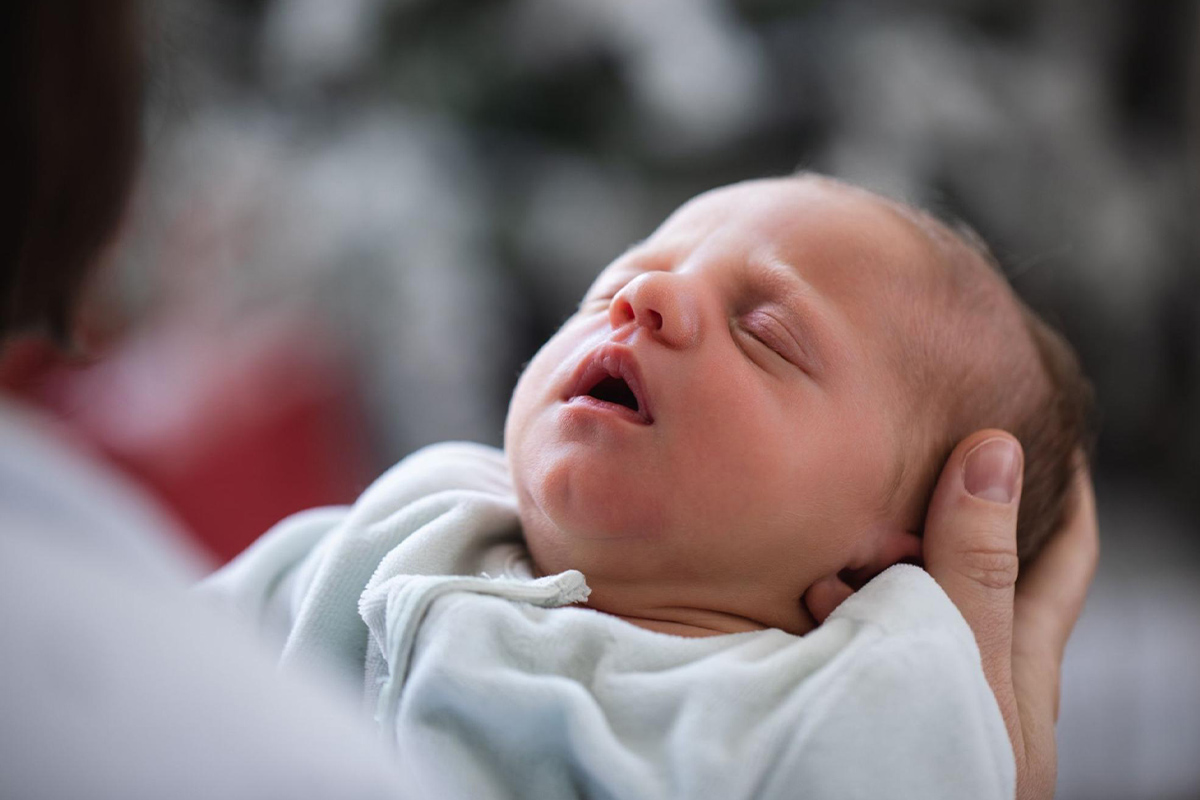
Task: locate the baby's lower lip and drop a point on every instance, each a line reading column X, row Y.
column 586, row 402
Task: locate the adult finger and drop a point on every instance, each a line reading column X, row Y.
column 1049, row 597
column 970, row 549
column 1051, row 591
column 1053, row 588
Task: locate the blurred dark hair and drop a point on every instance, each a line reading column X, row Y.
column 72, row 91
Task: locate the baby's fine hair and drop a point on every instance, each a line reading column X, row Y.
column 1035, row 390
column 1056, row 427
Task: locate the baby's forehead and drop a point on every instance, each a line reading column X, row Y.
column 876, row 259
column 806, row 220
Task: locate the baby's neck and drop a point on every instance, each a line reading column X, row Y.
column 672, row 613
column 667, row 603
column 692, row 623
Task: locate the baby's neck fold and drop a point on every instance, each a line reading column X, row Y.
column 686, row 606
column 692, row 623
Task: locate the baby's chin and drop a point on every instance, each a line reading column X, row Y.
column 589, row 489
column 583, row 511
column 577, row 524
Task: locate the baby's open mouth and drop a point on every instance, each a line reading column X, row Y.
column 610, row 376
column 615, row 390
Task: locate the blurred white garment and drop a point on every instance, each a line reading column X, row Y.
column 118, row 683
column 487, row 678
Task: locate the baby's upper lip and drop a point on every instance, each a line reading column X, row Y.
column 616, row 361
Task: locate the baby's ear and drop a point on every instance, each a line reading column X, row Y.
column 893, row 546
column 888, row 548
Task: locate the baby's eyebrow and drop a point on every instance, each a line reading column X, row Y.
column 777, row 270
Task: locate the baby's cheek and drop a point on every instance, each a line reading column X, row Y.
column 525, row 432
column 531, row 388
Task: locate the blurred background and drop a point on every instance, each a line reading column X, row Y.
column 357, row 219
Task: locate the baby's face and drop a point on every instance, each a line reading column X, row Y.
column 722, row 408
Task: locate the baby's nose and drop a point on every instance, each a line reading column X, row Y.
column 663, row 304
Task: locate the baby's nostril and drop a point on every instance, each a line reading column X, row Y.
column 625, row 311
column 656, row 321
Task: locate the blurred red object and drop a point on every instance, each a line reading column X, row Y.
column 232, row 429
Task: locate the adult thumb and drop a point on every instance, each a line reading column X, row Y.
column 970, row 547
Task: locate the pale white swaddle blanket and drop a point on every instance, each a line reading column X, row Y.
column 491, row 687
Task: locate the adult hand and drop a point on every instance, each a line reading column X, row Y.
column 1022, row 625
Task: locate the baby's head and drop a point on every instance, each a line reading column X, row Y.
column 759, row 397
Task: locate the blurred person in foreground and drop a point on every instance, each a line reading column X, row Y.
column 731, row 451
column 118, row 684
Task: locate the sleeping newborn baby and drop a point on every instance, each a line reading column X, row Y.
column 691, row 572
column 752, row 406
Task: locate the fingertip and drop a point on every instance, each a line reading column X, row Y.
column 992, row 469
column 983, row 475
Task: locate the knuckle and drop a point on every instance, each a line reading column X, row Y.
column 993, row 566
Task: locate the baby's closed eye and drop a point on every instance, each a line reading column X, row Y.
column 769, row 332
